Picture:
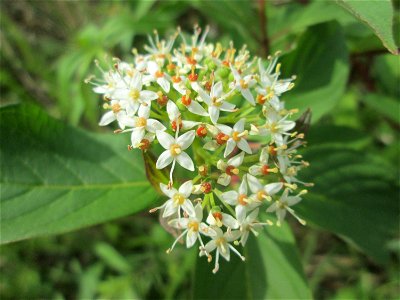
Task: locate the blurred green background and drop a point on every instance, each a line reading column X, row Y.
column 346, row 76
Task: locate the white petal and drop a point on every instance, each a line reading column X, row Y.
column 185, row 161
column 154, row 125
column 292, row 200
column 224, row 179
column 243, row 186
column 170, row 209
column 230, row 197
column 191, row 238
column 147, row 96
column 186, row 125
column 214, row 113
column 229, row 221
column 273, row 207
column 287, row 125
column 107, row 118
column 230, row 145
column 253, row 215
column 203, row 95
column 165, row 139
column 168, row 192
column 164, row 160
column 132, row 107
column 172, row 110
column 186, row 139
column 281, row 213
column 216, row 89
column 198, row 212
column 186, row 188
column 239, row 126
column 210, row 246
column 197, row 109
column 179, row 223
column 225, row 252
column 240, row 212
column 226, row 106
column 237, row 160
column 144, row 111
column 211, row 145
column 225, row 129
column 254, row 184
column 249, row 97
column 189, row 208
column 255, row 170
column 152, row 67
column 137, row 136
column 273, row 188
column 243, row 145
column 164, row 83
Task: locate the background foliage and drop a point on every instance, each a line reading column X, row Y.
column 61, row 172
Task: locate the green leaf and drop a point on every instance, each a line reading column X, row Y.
column 386, row 106
column 55, row 178
column 378, row 15
column 272, row 270
column 320, row 62
column 112, row 258
column 355, row 196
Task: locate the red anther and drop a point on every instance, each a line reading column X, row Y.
column 207, row 86
column 162, row 101
column 144, row 144
column 174, row 127
column 186, row 100
column 242, row 199
column 217, row 215
column 130, row 147
column 271, row 150
column 226, row 63
column 231, row 170
column 265, row 170
column 206, row 187
column 176, row 79
column 221, row 138
column 260, row 99
column 191, row 60
column 201, row 131
column 193, row 77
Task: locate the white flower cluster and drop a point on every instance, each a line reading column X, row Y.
column 215, row 110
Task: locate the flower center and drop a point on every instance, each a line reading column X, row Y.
column 159, row 74
column 134, row 94
column 141, row 122
column 231, row 170
column 260, row 195
column 193, row 226
column 176, row 79
column 242, row 199
column 116, row 108
column 215, row 102
column 235, row 136
column 179, row 199
column 186, row 100
column 281, row 205
column 243, row 84
column 265, row 170
column 175, row 150
column 221, row 138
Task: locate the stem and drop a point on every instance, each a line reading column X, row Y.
column 263, row 25
column 218, row 194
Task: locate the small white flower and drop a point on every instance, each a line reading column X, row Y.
column 117, row 112
column 229, row 168
column 178, row 199
column 248, row 224
column 281, row 206
column 192, row 226
column 174, row 150
column 243, row 84
column 240, row 199
column 263, row 192
column 218, row 219
column 141, row 124
column 262, row 168
column 216, row 101
column 237, row 136
column 133, row 95
column 221, row 242
column 275, row 126
column 174, row 115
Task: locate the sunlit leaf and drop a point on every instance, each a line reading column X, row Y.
column 55, row 178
